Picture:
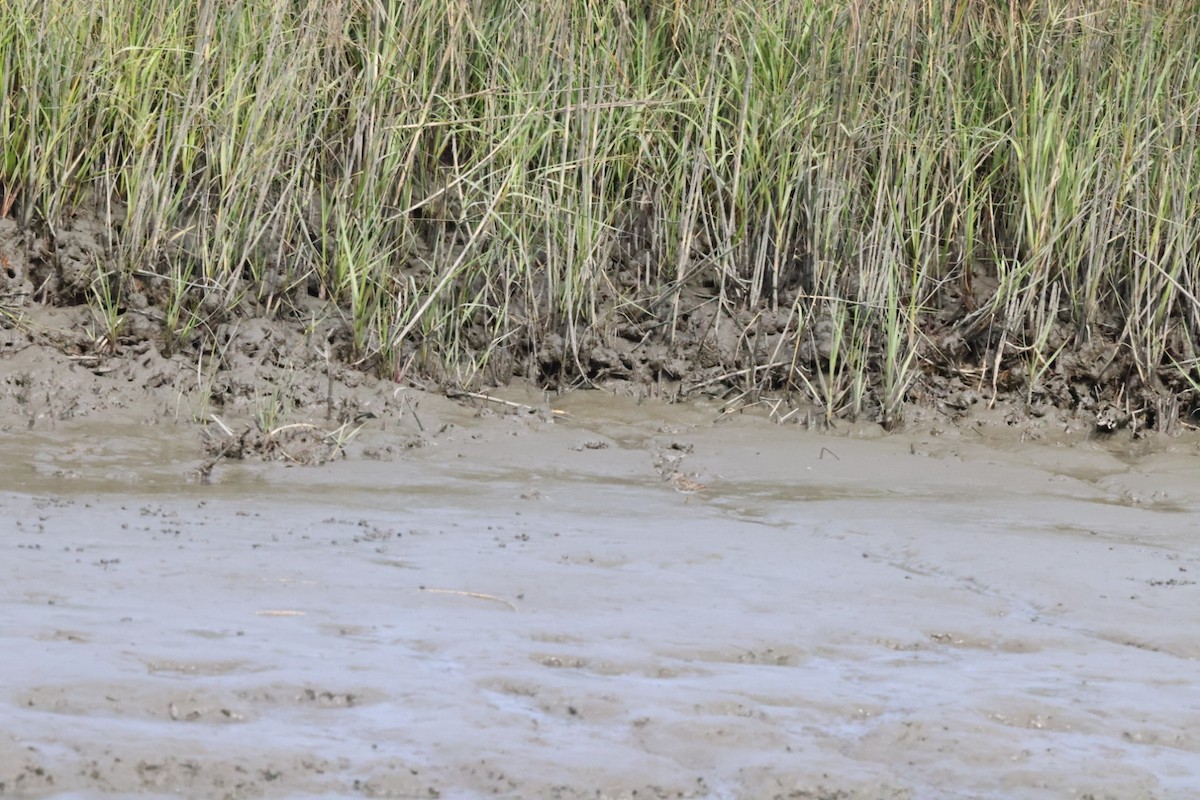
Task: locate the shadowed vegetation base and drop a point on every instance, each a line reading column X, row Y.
column 866, row 204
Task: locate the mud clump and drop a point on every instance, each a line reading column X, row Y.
column 300, row 443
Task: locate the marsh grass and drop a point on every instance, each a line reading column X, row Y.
column 855, row 195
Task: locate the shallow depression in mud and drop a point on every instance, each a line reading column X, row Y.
column 547, row 617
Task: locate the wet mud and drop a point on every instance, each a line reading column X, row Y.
column 587, row 596
column 61, row 303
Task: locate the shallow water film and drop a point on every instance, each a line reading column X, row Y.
column 615, row 601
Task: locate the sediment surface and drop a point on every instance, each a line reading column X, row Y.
column 465, row 598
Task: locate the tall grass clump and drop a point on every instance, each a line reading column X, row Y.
column 861, row 203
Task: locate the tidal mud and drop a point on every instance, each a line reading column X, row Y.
column 485, row 600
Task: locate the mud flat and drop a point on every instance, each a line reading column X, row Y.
column 524, row 606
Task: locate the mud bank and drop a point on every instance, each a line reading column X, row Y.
column 485, row 600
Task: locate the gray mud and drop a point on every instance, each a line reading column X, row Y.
column 480, row 600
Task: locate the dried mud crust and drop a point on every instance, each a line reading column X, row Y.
column 64, row 357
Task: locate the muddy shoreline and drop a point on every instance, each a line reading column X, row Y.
column 474, row 598
column 615, row 401
column 272, row 389
column 258, row 571
column 274, row 355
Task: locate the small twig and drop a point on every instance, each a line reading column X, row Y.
column 413, row 410
column 825, row 450
column 476, row 595
column 228, row 431
column 737, row 373
column 788, row 416
column 282, row 428
column 452, row 393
